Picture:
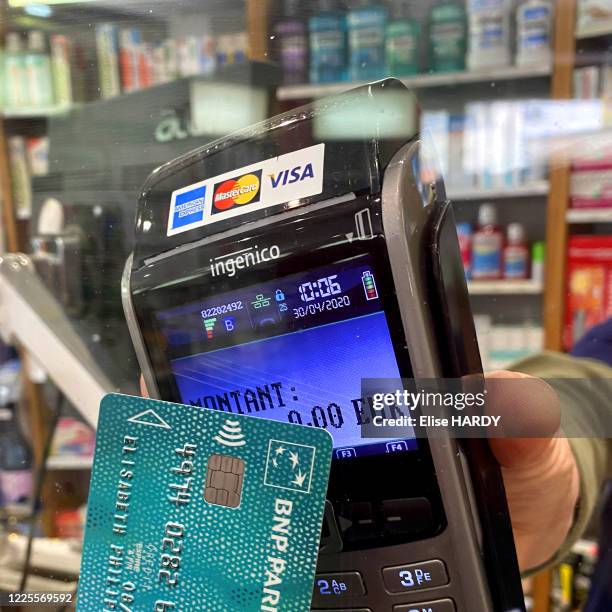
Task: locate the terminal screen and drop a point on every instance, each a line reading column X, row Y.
column 294, row 349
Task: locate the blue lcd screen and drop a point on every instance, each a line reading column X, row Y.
column 294, row 350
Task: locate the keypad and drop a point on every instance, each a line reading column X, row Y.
column 337, row 587
column 414, row 576
column 440, row 605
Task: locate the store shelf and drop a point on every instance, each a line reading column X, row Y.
column 18, row 511
column 421, row 81
column 69, row 462
column 262, row 74
column 505, row 287
column 48, row 554
column 10, row 580
column 589, row 215
column 35, row 113
column 536, row 189
column 592, row 30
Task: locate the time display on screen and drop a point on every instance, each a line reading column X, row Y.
column 315, row 297
column 321, row 288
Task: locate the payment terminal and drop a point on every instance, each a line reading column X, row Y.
column 275, row 269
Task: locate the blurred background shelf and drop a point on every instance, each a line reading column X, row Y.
column 536, row 189
column 589, row 215
column 595, row 29
column 69, row 462
column 54, row 555
column 17, row 511
column 35, row 113
column 422, row 81
column 505, row 287
column 10, row 580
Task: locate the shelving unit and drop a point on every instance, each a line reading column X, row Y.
column 424, row 81
column 69, row 462
column 505, row 287
column 561, row 219
column 448, row 92
column 257, row 69
column 18, row 511
column 51, row 554
column 595, row 30
column 536, row 189
column 589, row 215
column 35, row 113
column 10, row 580
column 558, row 197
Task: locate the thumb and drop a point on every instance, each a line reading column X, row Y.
column 530, row 411
column 537, row 464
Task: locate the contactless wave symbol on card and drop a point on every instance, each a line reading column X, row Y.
column 230, row 434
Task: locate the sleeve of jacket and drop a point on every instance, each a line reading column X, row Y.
column 581, row 407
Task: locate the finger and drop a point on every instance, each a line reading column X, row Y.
column 143, row 387
column 530, row 410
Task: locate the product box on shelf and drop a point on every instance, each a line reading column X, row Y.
column 591, row 188
column 73, row 438
column 503, row 345
column 589, row 285
column 591, row 179
column 593, row 16
column 596, row 154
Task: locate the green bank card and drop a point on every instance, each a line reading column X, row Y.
column 194, row 509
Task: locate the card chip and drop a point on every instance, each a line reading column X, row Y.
column 224, row 477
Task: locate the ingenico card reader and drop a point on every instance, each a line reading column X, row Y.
column 275, row 269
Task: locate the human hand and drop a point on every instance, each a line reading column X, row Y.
column 540, row 473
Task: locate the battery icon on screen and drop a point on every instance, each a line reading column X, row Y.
column 369, row 286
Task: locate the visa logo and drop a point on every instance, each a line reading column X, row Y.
column 292, row 175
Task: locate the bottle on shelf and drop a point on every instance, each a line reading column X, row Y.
column 327, row 34
column 538, row 252
column 129, row 55
column 447, row 37
column 15, row 453
column 402, row 41
column 21, row 181
column 534, row 20
column 292, row 43
column 487, row 245
column 489, row 34
column 60, row 67
column 38, row 70
column 464, row 234
column 516, row 253
column 15, row 82
column 366, row 24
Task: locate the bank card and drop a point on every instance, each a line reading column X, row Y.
column 195, row 509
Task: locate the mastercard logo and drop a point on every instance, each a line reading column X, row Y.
column 238, row 191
